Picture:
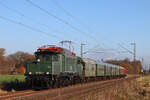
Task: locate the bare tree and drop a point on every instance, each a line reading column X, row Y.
column 2, row 56
column 19, row 58
column 133, row 67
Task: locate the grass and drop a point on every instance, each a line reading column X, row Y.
column 138, row 89
column 146, row 79
column 11, row 78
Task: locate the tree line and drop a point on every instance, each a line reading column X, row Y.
column 13, row 63
column 133, row 67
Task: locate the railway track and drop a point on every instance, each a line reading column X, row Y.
column 15, row 94
column 1, row 86
column 79, row 90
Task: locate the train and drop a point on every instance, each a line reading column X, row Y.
column 55, row 66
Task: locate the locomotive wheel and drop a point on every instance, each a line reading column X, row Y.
column 62, row 82
column 48, row 84
column 67, row 82
column 55, row 84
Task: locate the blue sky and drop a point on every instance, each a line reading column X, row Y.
column 104, row 24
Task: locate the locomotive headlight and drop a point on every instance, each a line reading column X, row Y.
column 47, row 73
column 38, row 60
column 30, row 73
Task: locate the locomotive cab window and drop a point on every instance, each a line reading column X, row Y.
column 55, row 58
column 43, row 57
column 47, row 57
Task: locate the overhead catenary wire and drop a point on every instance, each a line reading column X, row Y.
column 32, row 19
column 70, row 15
column 29, row 18
column 29, row 27
column 61, row 20
column 104, row 51
column 74, row 18
column 32, row 28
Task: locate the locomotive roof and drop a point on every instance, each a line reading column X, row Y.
column 54, row 49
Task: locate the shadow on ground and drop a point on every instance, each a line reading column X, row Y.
column 15, row 85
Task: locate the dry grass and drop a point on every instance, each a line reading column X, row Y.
column 129, row 90
column 2, row 91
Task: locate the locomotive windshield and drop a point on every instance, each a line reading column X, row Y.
column 47, row 57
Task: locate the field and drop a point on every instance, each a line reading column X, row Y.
column 145, row 79
column 12, row 83
column 138, row 89
column 11, row 78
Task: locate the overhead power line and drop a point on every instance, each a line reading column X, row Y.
column 131, row 52
column 29, row 27
column 126, row 49
column 69, row 14
column 60, row 19
column 32, row 19
column 29, row 18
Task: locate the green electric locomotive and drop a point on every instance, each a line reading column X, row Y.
column 53, row 65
